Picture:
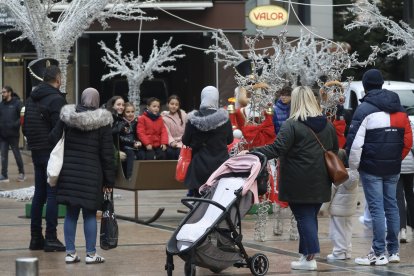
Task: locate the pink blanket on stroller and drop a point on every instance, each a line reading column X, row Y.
column 238, row 163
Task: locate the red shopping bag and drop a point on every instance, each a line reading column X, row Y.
column 183, row 162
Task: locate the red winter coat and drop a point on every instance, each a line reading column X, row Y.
column 151, row 132
column 340, row 126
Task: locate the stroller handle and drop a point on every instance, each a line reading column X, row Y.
column 186, row 200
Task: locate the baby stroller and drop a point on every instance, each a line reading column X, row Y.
column 210, row 234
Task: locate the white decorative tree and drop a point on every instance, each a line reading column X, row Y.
column 370, row 17
column 304, row 62
column 53, row 37
column 134, row 69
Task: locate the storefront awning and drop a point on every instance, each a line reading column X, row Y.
column 168, row 5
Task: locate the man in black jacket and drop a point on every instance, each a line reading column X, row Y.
column 9, row 132
column 41, row 115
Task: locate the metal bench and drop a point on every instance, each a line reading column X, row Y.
column 148, row 175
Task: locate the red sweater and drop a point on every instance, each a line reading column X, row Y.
column 151, row 132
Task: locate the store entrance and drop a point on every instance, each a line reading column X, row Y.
column 192, row 73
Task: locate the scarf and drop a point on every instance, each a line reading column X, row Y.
column 151, row 115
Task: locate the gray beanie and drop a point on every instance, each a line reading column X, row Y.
column 209, row 98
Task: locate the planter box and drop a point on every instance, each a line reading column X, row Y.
column 61, row 210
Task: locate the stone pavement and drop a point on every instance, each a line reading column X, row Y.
column 141, row 249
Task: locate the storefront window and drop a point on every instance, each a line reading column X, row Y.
column 303, row 11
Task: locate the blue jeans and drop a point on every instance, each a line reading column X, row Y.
column 13, row 142
column 89, row 229
column 43, row 192
column 306, row 216
column 380, row 194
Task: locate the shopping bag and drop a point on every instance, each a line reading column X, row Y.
column 55, row 163
column 184, row 161
column 109, row 225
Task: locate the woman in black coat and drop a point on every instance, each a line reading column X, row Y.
column 208, row 132
column 87, row 169
column 304, row 180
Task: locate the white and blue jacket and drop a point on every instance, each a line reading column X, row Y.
column 380, row 134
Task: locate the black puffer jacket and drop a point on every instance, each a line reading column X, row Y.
column 88, row 158
column 41, row 115
column 208, row 133
column 128, row 134
column 10, row 118
column 303, row 174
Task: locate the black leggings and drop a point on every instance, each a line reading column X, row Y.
column 405, row 187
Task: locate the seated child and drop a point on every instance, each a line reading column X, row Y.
column 152, row 131
column 128, row 139
column 341, row 208
column 174, row 119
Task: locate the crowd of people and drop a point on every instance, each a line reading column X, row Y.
column 378, row 150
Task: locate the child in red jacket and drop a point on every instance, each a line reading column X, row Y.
column 151, row 131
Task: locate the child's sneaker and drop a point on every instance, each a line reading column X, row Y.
column 72, row 258
column 21, row 177
column 332, row 257
column 4, row 179
column 95, row 259
column 394, row 258
column 403, row 235
column 372, row 259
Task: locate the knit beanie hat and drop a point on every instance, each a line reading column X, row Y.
column 372, row 79
column 209, row 98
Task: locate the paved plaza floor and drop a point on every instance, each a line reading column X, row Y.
column 141, row 249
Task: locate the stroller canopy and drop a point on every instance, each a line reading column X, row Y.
column 238, row 164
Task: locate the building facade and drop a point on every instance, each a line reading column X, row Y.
column 190, row 23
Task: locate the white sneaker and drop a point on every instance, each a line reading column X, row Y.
column 394, row 258
column 95, row 259
column 403, row 235
column 21, row 177
column 332, row 257
column 372, row 259
column 72, row 258
column 303, row 264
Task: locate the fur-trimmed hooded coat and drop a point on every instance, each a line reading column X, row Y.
column 207, row 132
column 88, row 157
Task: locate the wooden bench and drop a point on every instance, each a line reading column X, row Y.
column 148, row 175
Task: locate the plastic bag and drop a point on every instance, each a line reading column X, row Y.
column 183, row 162
column 55, row 163
column 109, row 225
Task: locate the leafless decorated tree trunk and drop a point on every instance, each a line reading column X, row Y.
column 134, row 69
column 54, row 38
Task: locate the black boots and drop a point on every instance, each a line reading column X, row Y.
column 52, row 244
column 37, row 242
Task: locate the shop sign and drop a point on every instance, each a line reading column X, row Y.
column 268, row 16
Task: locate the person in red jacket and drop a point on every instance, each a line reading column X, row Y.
column 152, row 132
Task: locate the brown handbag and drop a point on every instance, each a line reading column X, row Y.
column 336, row 169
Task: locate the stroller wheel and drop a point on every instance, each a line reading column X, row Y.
column 259, row 264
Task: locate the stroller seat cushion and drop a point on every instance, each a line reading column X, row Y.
column 224, row 195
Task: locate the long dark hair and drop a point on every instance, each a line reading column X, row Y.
column 175, row 97
column 110, row 103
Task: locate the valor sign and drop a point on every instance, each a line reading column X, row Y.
column 268, row 16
